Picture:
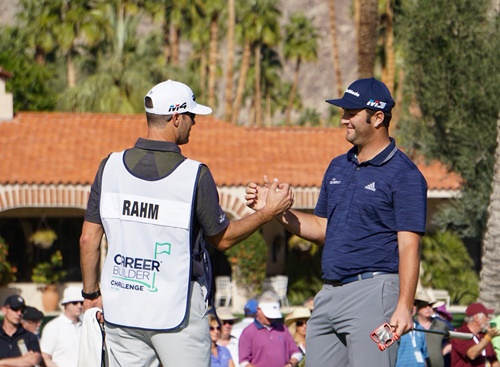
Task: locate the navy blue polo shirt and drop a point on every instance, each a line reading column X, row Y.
column 366, row 204
column 9, row 346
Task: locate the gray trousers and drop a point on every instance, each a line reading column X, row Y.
column 188, row 345
column 338, row 333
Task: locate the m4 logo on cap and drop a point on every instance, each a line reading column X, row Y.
column 177, row 107
column 376, row 104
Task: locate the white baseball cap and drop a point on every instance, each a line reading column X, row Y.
column 271, row 310
column 171, row 97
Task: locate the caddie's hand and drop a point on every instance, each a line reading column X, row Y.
column 401, row 321
column 90, row 303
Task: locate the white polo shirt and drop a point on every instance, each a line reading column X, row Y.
column 61, row 340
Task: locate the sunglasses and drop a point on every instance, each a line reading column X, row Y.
column 229, row 322
column 17, row 309
column 76, row 303
column 212, row 328
column 301, row 323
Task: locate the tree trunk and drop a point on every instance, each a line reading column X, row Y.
column 71, row 70
column 174, row 42
column 228, row 95
column 293, row 90
column 212, row 61
column 489, row 285
column 203, row 75
column 166, row 41
column 245, row 65
column 258, row 89
column 268, row 108
column 390, row 67
column 335, row 48
column 367, row 37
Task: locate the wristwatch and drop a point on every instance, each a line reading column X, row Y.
column 92, row 295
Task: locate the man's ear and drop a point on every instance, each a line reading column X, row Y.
column 176, row 119
column 378, row 118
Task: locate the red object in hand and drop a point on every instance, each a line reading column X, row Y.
column 384, row 336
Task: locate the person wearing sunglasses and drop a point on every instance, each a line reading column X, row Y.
column 297, row 326
column 220, row 355
column 18, row 347
column 61, row 336
column 227, row 339
column 32, row 320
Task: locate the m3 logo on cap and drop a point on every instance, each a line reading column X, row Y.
column 376, row 104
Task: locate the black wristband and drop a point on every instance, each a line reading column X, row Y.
column 92, row 295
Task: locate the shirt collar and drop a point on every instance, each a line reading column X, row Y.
column 379, row 159
column 163, row 146
column 260, row 326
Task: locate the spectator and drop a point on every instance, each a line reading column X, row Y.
column 297, row 326
column 250, row 311
column 479, row 351
column 18, row 347
column 226, row 338
column 32, row 320
column 265, row 342
column 437, row 346
column 61, row 336
column 220, row 355
column 412, row 351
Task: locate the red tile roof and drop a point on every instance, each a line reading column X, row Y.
column 66, row 148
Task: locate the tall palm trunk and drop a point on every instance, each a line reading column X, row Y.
column 367, row 37
column 293, row 91
column 245, row 65
column 71, row 69
column 335, row 48
column 175, row 43
column 389, row 72
column 258, row 89
column 228, row 95
column 212, row 61
column 268, row 109
column 489, row 285
column 166, row 41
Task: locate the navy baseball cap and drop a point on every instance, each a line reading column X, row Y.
column 15, row 301
column 366, row 93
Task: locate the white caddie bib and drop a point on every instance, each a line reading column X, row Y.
column 145, row 279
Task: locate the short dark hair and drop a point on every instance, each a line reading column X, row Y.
column 387, row 116
column 158, row 121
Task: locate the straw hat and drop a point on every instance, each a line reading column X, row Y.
column 297, row 314
column 226, row 314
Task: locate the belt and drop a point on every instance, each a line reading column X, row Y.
column 354, row 278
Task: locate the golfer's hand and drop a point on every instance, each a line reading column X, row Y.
column 401, row 321
column 256, row 196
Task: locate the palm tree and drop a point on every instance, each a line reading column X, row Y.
column 214, row 10
column 259, row 26
column 335, row 47
column 488, row 286
column 125, row 66
column 367, row 37
column 300, row 45
column 389, row 70
column 271, row 82
column 228, row 94
column 37, row 19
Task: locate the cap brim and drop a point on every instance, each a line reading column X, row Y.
column 201, row 110
column 344, row 104
column 272, row 314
